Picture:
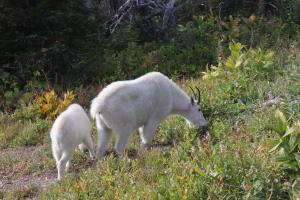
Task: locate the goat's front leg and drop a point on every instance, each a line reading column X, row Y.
column 146, row 133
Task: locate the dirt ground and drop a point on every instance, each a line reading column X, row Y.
column 28, row 170
column 24, row 168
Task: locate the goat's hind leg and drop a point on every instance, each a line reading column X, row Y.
column 68, row 166
column 122, row 137
column 61, row 166
column 57, row 154
column 104, row 135
column 88, row 142
column 82, row 147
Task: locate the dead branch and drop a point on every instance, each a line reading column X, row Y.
column 148, row 8
column 273, row 100
column 168, row 14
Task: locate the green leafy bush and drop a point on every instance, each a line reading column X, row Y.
column 288, row 150
column 23, row 133
column 288, row 146
column 186, row 54
column 10, row 99
column 237, row 82
column 32, row 134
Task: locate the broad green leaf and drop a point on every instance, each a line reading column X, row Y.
column 296, row 188
column 297, row 157
column 290, row 166
column 285, row 158
column 297, row 132
column 290, row 130
column 285, row 145
column 293, row 134
column 276, row 146
column 199, row 171
column 281, row 123
column 279, row 115
column 292, row 142
column 230, row 63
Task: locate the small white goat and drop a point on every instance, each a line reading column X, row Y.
column 142, row 103
column 71, row 128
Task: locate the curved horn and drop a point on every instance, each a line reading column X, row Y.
column 194, row 94
column 198, row 90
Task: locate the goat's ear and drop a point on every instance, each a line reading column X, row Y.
column 192, row 101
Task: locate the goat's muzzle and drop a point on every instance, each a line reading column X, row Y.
column 202, row 131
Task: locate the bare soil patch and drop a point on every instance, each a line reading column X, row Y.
column 22, row 168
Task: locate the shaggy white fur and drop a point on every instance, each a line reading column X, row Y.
column 71, row 128
column 142, row 103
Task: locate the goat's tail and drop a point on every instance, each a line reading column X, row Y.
column 95, row 107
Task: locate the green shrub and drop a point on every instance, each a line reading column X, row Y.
column 186, row 54
column 238, row 82
column 288, row 146
column 170, row 131
column 32, row 134
column 287, row 150
column 22, row 132
column 29, row 112
column 10, row 99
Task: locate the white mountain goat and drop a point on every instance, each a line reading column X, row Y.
column 71, row 128
column 143, row 103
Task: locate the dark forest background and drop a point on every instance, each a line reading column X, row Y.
column 65, row 43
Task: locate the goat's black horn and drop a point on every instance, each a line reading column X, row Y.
column 198, row 90
column 194, row 94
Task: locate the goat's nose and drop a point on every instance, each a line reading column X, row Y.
column 205, row 125
column 203, row 129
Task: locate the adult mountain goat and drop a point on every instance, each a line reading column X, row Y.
column 143, row 103
column 71, row 128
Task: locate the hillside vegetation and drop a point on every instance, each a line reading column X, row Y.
column 233, row 161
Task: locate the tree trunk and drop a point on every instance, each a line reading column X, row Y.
column 261, row 7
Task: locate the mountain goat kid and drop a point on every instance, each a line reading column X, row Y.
column 143, row 103
column 71, row 128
